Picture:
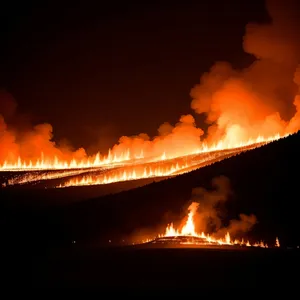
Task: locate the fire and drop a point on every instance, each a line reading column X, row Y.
column 114, row 159
column 163, row 168
column 242, row 107
column 132, row 173
column 111, row 169
column 55, row 163
column 222, row 145
column 38, row 176
column 189, row 230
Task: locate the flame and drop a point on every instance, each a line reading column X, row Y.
column 113, row 159
column 38, row 176
column 139, row 170
column 55, row 163
column 113, row 168
column 131, row 173
column 189, row 229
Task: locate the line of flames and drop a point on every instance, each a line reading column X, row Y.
column 226, row 241
column 135, row 172
column 112, row 160
column 129, row 172
column 56, row 164
column 125, row 175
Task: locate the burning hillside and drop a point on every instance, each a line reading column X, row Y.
column 243, row 109
column 111, row 161
column 137, row 170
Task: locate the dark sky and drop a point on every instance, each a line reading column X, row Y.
column 97, row 71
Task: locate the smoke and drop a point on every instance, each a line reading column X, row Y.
column 208, row 206
column 178, row 139
column 238, row 227
column 261, row 99
column 32, row 144
column 8, row 105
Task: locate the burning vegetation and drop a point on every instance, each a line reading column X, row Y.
column 243, row 109
column 188, row 236
column 205, row 215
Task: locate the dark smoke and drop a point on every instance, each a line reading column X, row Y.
column 211, row 209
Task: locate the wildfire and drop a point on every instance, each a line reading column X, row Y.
column 55, row 163
column 114, row 159
column 133, row 173
column 105, row 170
column 167, row 166
column 38, row 176
column 240, row 106
column 189, row 230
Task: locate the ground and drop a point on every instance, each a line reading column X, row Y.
column 37, row 247
column 135, row 267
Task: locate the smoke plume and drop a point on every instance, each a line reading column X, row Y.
column 261, row 99
column 209, row 208
column 34, row 143
column 178, row 139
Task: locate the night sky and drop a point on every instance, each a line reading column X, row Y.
column 98, row 71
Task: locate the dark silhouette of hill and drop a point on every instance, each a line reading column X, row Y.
column 34, row 192
column 265, row 182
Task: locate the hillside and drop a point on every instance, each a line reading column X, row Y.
column 264, row 181
column 44, row 183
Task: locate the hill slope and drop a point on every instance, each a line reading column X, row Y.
column 265, row 183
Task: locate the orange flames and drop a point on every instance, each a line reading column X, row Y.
column 55, row 163
column 164, row 166
column 112, row 160
column 132, row 173
column 189, row 230
column 252, row 106
column 111, row 169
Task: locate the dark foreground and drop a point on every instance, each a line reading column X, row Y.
column 153, row 268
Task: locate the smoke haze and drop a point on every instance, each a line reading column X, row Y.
column 260, row 100
column 29, row 143
column 208, row 206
